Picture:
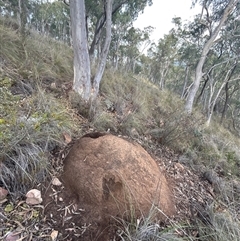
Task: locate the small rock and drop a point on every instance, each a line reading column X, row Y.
column 54, row 235
column 53, row 85
column 12, row 236
column 56, row 182
column 211, row 176
column 33, row 197
column 217, row 183
column 3, row 193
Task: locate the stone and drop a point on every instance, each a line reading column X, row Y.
column 33, row 197
column 12, row 236
column 56, row 182
column 115, row 177
column 3, row 193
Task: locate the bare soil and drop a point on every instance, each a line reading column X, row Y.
column 105, row 178
column 82, row 208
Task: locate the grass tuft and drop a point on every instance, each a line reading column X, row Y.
column 30, row 128
column 145, row 229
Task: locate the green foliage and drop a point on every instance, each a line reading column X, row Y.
column 232, row 163
column 32, row 121
column 29, row 129
column 131, row 101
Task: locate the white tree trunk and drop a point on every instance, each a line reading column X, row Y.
column 103, row 58
column 212, row 103
column 82, row 74
column 185, row 82
column 206, row 48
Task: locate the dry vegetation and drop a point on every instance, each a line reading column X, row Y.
column 35, row 75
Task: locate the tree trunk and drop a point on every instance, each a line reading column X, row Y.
column 206, row 48
column 228, row 97
column 225, row 102
column 99, row 26
column 82, row 74
column 22, row 17
column 213, row 103
column 185, row 82
column 103, row 58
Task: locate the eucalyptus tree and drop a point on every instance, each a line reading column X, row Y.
column 9, row 8
column 132, row 46
column 51, row 18
column 163, row 58
column 17, row 9
column 215, row 14
column 121, row 23
column 95, row 15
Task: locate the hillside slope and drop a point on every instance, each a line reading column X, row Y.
column 40, row 115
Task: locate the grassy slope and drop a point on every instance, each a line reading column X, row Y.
column 33, row 119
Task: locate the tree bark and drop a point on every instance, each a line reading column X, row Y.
column 185, row 82
column 228, row 97
column 212, row 103
column 103, row 58
column 206, row 48
column 82, row 74
column 22, row 17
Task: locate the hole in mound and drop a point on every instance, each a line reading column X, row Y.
column 94, row 135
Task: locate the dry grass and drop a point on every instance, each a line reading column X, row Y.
column 32, row 123
column 35, row 58
column 30, row 128
column 146, row 228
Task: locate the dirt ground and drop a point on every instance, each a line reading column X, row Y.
column 72, row 221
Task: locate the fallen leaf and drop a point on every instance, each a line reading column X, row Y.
column 67, row 138
column 8, row 208
column 179, row 166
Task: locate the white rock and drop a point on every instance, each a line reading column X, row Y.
column 54, row 235
column 33, row 197
column 11, row 236
column 3, row 193
column 56, row 182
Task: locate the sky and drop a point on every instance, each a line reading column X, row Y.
column 159, row 15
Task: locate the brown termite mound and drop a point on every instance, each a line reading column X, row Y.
column 112, row 177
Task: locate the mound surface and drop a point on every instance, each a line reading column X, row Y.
column 114, row 177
